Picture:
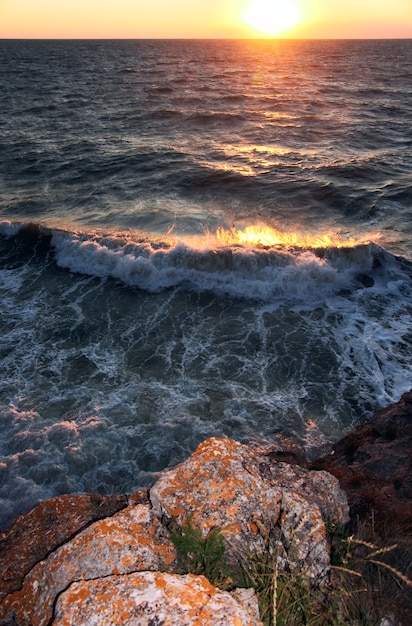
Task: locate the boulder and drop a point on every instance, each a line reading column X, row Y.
column 129, row 541
column 37, row 533
column 114, row 570
column 373, row 464
column 255, row 503
column 150, row 598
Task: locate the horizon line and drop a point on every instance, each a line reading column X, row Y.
column 206, row 38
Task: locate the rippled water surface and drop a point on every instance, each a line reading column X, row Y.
column 197, row 238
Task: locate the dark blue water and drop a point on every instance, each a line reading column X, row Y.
column 197, row 238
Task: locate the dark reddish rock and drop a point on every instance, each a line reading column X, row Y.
column 34, row 535
column 373, row 464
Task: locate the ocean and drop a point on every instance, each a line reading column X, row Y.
column 197, row 238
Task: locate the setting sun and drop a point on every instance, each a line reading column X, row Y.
column 272, row 17
column 205, row 19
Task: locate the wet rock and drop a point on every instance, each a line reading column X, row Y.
column 150, row 598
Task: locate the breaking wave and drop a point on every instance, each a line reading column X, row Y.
column 254, row 270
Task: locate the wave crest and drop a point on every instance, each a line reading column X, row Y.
column 208, row 264
column 257, row 263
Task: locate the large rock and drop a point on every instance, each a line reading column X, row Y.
column 130, row 541
column 373, row 464
column 34, row 535
column 227, row 485
column 153, row 598
column 96, row 576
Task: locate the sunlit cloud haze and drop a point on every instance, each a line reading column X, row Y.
column 205, row 18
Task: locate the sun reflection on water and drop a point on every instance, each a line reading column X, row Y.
column 268, row 237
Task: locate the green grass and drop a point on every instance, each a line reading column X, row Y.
column 201, row 555
column 369, row 577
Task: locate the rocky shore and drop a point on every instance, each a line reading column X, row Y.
column 92, row 559
column 374, row 466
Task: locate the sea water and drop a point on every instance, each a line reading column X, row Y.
column 198, row 238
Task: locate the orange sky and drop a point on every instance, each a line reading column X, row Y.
column 199, row 18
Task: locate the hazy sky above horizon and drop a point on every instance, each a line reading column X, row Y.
column 205, row 18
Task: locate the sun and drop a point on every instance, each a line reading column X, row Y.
column 272, row 17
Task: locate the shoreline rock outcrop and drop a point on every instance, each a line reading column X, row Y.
column 373, row 464
column 33, row 535
column 236, row 490
column 75, row 559
column 224, row 485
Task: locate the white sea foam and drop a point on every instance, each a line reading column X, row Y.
column 237, row 271
column 9, row 229
column 106, row 384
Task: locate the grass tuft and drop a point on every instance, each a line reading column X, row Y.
column 201, row 555
column 368, row 582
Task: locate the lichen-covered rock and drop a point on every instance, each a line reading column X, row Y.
column 219, row 486
column 227, row 485
column 105, row 574
column 150, row 598
column 33, row 535
column 131, row 540
column 319, row 487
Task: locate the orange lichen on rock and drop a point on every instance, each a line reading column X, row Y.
column 155, row 598
column 227, row 485
column 131, row 540
column 32, row 536
column 219, row 486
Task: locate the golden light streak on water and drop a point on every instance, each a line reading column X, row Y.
column 266, row 236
